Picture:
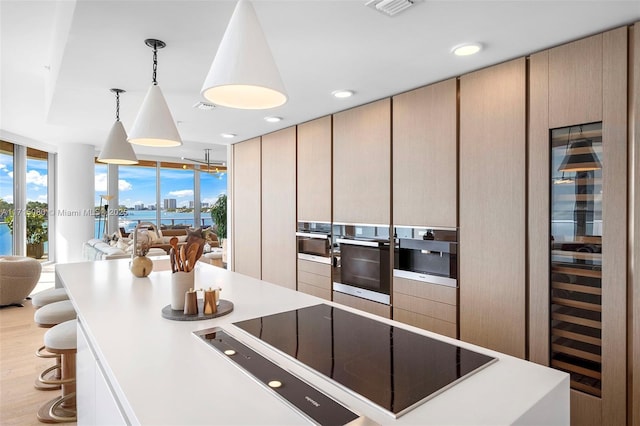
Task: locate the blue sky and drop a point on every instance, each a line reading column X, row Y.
column 136, row 184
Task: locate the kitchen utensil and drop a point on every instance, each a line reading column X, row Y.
column 192, row 252
column 172, row 258
column 183, row 259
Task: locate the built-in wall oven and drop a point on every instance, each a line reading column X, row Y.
column 362, row 261
column 426, row 254
column 314, row 241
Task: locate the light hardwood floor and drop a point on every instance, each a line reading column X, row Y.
column 19, row 339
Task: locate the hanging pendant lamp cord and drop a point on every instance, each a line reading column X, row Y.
column 117, row 106
column 155, row 64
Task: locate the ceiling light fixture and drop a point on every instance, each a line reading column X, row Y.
column 207, row 161
column 228, row 135
column 154, row 125
column 466, row 49
column 342, row 93
column 243, row 73
column 272, row 119
column 117, row 150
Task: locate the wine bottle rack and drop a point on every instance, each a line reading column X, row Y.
column 576, row 257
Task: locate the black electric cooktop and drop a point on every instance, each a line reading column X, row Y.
column 389, row 366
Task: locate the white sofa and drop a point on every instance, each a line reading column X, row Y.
column 96, row 249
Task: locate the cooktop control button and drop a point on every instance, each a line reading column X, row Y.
column 230, row 352
column 275, row 384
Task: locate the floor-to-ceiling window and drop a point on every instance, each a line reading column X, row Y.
column 37, row 214
column 177, row 195
column 137, row 194
column 6, row 196
column 175, row 199
column 213, row 184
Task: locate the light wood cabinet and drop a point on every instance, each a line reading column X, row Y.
column 634, row 176
column 492, row 207
column 246, row 223
column 314, row 170
column 314, row 278
column 279, row 207
column 430, row 306
column 362, row 164
column 425, row 173
column 572, row 85
column 362, row 304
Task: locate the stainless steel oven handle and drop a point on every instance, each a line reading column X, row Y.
column 312, row 235
column 358, row 242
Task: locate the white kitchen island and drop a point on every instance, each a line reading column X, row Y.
column 135, row 367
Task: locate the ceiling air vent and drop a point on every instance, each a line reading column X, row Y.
column 390, row 7
column 204, row 106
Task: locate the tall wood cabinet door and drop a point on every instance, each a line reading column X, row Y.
column 246, row 208
column 574, row 84
column 314, row 170
column 362, row 164
column 279, row 208
column 492, row 207
column 634, row 176
column 425, row 173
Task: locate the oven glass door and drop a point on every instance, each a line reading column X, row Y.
column 314, row 247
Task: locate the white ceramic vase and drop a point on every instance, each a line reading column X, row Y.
column 181, row 282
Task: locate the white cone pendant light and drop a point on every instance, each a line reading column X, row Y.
column 154, row 125
column 117, row 150
column 243, row 73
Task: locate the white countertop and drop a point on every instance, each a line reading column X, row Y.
column 161, row 373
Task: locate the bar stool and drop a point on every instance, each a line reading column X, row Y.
column 48, row 316
column 46, row 297
column 61, row 340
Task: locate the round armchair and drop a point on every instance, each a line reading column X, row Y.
column 18, row 277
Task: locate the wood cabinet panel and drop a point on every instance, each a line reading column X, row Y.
column 492, row 207
column 435, row 292
column 314, row 170
column 362, row 164
column 442, row 311
column 575, row 82
column 634, row 178
column 316, row 268
column 313, row 279
column 585, row 409
column 279, row 208
column 322, row 293
column 362, row 304
column 614, row 215
column 425, row 174
column 428, row 323
column 246, row 208
column 538, row 201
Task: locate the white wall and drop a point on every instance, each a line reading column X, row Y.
column 74, row 209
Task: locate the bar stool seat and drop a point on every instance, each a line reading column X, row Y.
column 54, row 314
column 61, row 340
column 46, row 297
column 48, row 316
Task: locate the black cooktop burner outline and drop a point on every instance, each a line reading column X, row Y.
column 270, row 329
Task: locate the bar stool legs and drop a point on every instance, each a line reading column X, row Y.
column 51, row 373
column 61, row 340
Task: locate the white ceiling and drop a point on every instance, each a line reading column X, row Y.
column 60, row 58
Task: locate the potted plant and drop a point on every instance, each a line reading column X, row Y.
column 37, row 233
column 219, row 217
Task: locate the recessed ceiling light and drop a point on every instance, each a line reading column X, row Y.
column 342, row 93
column 228, row 135
column 272, row 119
column 466, row 49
